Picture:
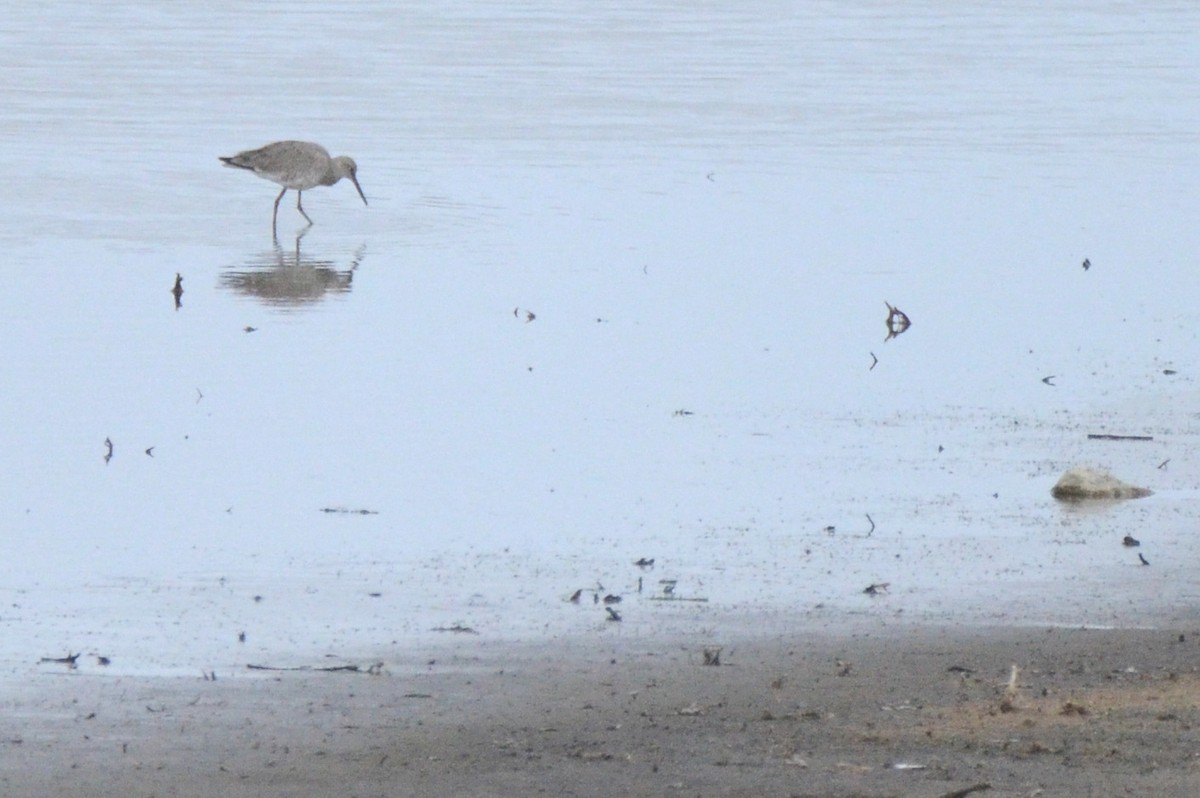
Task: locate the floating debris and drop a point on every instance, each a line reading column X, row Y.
column 1143, row 559
column 877, row 589
column 373, row 669
column 645, row 563
column 897, row 321
column 347, row 511
column 69, row 660
column 1102, row 436
column 668, row 589
column 457, row 628
column 1130, row 540
column 965, row 791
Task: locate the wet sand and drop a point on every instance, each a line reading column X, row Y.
column 878, row 711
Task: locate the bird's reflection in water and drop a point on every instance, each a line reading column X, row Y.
column 288, row 280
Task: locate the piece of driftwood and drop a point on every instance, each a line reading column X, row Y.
column 374, row 670
column 965, row 791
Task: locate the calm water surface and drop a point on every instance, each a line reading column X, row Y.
column 616, row 295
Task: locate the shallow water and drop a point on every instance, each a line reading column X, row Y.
column 617, row 294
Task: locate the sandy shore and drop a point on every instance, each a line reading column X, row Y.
column 884, row 712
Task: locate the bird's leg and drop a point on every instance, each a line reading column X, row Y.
column 275, row 213
column 300, row 208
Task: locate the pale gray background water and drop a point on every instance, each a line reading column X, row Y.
column 706, row 206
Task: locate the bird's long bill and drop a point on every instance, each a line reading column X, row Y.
column 354, row 180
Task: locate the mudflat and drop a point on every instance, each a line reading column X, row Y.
column 887, row 711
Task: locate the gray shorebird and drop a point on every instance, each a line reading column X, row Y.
column 298, row 165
